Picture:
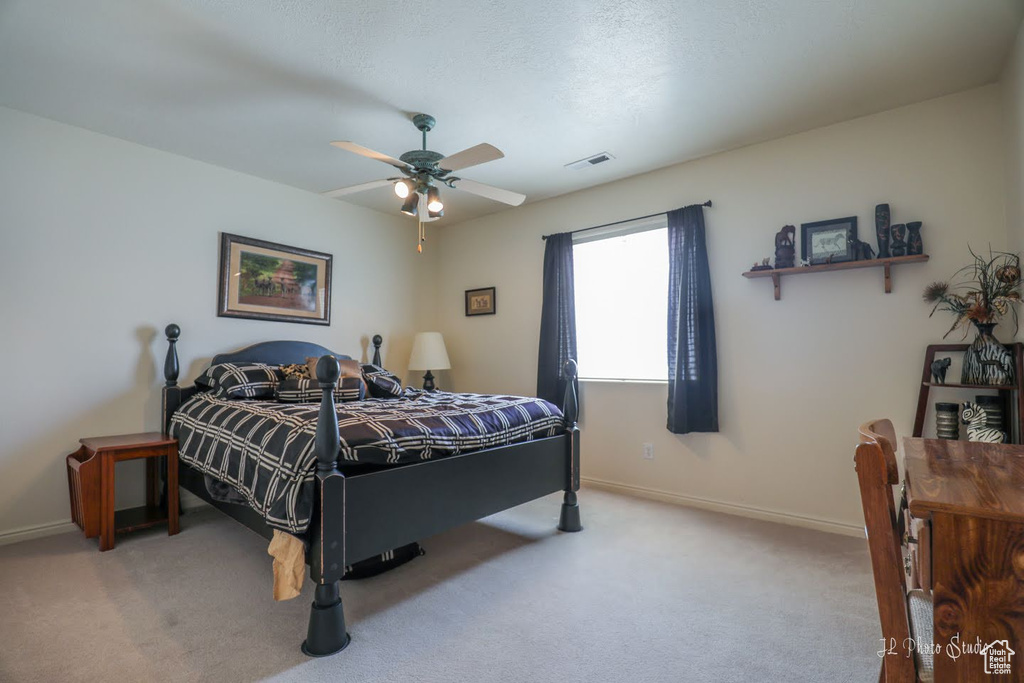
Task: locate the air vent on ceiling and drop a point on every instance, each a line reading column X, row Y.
column 594, row 160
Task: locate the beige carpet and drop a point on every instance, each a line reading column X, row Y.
column 647, row 592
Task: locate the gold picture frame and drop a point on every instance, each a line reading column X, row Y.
column 269, row 281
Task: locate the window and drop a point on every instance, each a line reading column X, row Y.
column 621, row 283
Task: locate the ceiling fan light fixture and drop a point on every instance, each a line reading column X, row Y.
column 411, row 204
column 423, row 167
column 434, row 204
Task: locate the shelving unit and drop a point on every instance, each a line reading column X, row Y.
column 776, row 273
column 1011, row 393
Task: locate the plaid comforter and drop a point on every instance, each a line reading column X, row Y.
column 265, row 449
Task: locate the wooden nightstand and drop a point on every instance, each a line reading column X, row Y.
column 91, row 485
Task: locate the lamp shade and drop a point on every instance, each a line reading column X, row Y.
column 428, row 352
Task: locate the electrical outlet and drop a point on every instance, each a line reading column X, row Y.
column 648, row 451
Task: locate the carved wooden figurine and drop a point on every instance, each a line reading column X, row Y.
column 975, row 418
column 898, row 246
column 939, row 368
column 862, row 251
column 915, row 245
column 785, row 249
column 882, row 229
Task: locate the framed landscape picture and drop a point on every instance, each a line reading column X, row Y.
column 269, row 281
column 481, row 301
column 829, row 241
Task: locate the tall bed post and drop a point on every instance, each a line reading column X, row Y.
column 377, row 341
column 171, row 398
column 569, row 519
column 326, row 634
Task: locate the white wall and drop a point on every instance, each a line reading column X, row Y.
column 796, row 376
column 1013, row 102
column 104, row 242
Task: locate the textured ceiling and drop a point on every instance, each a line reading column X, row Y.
column 262, row 86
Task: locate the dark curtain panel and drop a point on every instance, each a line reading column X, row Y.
column 692, row 357
column 557, row 318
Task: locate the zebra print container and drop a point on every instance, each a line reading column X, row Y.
column 986, row 361
column 947, row 421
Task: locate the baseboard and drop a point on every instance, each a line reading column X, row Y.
column 27, row 533
column 728, row 508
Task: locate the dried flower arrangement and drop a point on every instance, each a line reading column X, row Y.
column 980, row 293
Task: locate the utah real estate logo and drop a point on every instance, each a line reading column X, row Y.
column 997, row 656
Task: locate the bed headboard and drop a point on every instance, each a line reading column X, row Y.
column 271, row 353
column 277, row 353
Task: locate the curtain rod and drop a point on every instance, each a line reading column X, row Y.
column 628, row 220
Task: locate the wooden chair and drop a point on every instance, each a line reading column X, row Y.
column 917, row 543
column 902, row 615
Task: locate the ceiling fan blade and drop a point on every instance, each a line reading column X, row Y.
column 367, row 152
column 352, row 189
column 480, row 154
column 495, row 193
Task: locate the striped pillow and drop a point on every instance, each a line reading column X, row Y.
column 381, row 383
column 301, row 390
column 232, row 380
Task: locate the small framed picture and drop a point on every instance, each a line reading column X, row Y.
column 829, row 241
column 481, row 301
column 270, row 281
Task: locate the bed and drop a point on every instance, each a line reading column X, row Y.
column 359, row 510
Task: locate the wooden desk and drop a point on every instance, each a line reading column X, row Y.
column 972, row 497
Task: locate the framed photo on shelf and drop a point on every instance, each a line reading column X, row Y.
column 481, row 301
column 270, row 281
column 829, row 241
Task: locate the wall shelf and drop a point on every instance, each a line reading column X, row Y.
column 998, row 387
column 776, row 273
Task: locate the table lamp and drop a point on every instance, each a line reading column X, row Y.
column 428, row 353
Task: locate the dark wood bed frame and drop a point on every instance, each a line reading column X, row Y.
column 357, row 516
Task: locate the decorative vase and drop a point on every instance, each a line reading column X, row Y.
column 882, row 229
column 986, row 361
column 915, row 246
column 993, row 407
column 898, row 245
column 947, row 420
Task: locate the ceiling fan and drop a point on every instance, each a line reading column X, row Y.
column 424, row 170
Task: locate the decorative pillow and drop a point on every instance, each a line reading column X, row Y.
column 305, row 390
column 295, row 370
column 232, row 380
column 381, row 383
column 349, row 368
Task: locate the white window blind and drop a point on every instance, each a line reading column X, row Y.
column 621, row 285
